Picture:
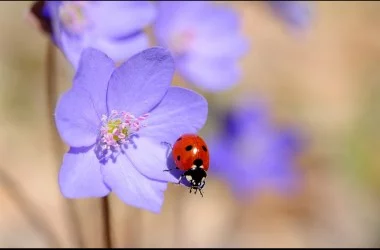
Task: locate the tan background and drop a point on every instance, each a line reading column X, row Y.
column 324, row 80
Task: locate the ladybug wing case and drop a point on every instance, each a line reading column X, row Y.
column 189, row 148
column 183, row 152
column 203, row 153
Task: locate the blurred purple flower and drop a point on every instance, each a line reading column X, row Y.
column 114, row 120
column 205, row 40
column 39, row 17
column 113, row 27
column 295, row 13
column 249, row 153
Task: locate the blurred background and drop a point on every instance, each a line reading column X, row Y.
column 324, row 81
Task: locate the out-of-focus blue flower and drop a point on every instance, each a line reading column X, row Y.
column 250, row 153
column 115, row 119
column 113, row 27
column 295, row 13
column 205, row 39
column 39, row 17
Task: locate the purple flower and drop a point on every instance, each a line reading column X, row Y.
column 113, row 27
column 249, row 153
column 205, row 40
column 295, row 13
column 115, row 120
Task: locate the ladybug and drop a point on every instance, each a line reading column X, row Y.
column 190, row 154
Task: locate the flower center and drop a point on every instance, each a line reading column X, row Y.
column 117, row 129
column 181, row 42
column 72, row 15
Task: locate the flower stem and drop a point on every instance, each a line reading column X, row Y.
column 107, row 222
column 58, row 147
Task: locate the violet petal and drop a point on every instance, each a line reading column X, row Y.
column 118, row 18
column 131, row 186
column 141, row 82
column 93, row 73
column 80, row 176
column 153, row 166
column 76, row 119
column 180, row 111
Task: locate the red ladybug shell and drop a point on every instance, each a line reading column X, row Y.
column 188, row 148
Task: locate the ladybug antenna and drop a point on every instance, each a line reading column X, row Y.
column 167, row 144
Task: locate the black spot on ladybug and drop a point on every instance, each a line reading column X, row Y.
column 198, row 162
column 188, row 148
column 179, row 139
column 204, row 148
column 178, row 157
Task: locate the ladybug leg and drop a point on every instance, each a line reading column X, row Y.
column 170, row 169
column 167, row 144
column 200, row 191
column 179, row 180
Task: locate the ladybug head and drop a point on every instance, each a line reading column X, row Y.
column 196, row 176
